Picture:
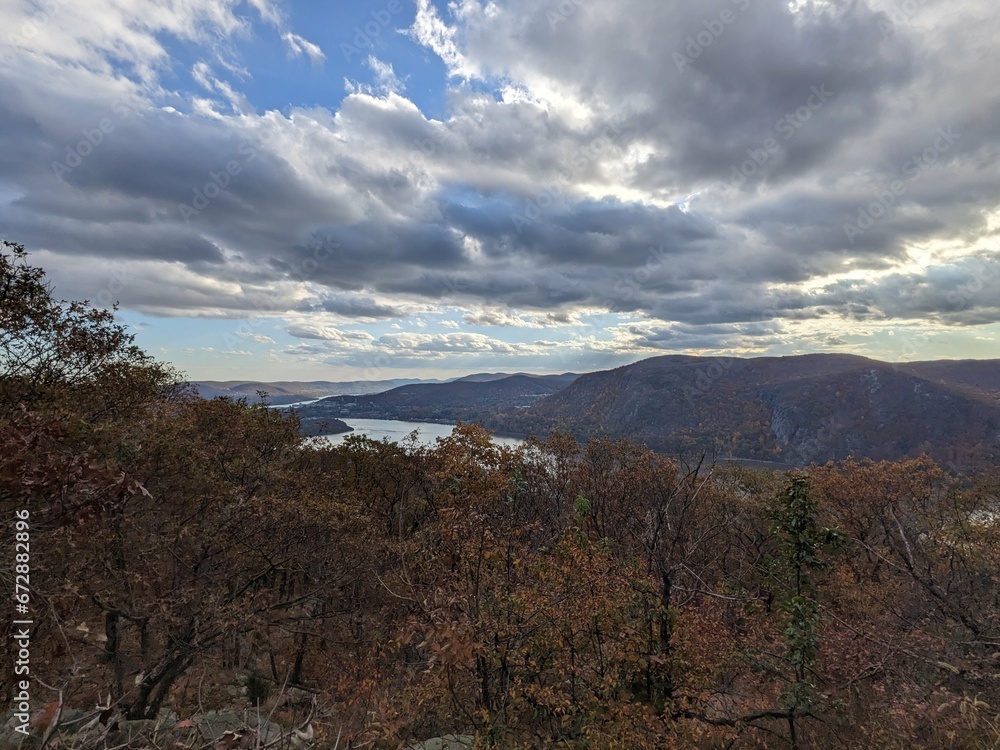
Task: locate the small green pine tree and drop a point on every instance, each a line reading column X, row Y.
column 795, row 518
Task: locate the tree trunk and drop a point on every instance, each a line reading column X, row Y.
column 666, row 635
column 112, row 621
column 300, row 652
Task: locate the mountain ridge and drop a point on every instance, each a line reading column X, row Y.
column 458, row 400
column 283, row 392
column 799, row 409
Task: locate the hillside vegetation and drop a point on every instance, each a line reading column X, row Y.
column 476, row 398
column 551, row 595
column 797, row 410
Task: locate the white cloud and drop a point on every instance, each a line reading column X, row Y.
column 92, row 35
column 260, row 338
column 500, row 318
column 203, row 75
column 434, row 33
column 445, row 342
column 328, row 333
column 300, row 46
column 268, row 11
column 385, row 77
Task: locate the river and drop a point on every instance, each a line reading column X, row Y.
column 396, row 431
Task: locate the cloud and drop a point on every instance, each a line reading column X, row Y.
column 386, row 79
column 203, row 75
column 350, row 306
column 497, row 318
column 300, row 46
column 328, row 334
column 610, row 160
column 260, row 338
column 429, row 30
column 445, row 342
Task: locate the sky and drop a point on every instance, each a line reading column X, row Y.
column 332, row 190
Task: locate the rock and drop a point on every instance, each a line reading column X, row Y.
column 137, row 727
column 214, row 724
column 163, row 723
column 89, row 737
column 166, row 719
column 184, row 733
column 9, row 738
column 268, row 731
column 296, row 697
column 72, row 720
column 166, row 729
column 448, row 742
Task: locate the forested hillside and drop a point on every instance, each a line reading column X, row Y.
column 189, row 556
column 466, row 399
column 798, row 410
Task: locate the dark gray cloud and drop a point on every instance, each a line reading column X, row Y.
column 354, row 307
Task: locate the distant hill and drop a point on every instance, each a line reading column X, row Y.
column 465, row 400
column 484, row 377
column 979, row 374
column 329, row 426
column 285, row 392
column 288, row 392
column 797, row 410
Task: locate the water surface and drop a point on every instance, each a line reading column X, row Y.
column 397, row 430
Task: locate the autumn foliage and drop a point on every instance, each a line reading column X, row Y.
column 556, row 594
